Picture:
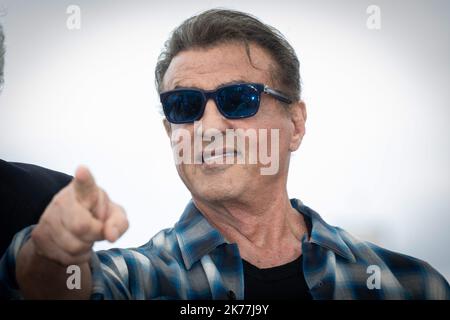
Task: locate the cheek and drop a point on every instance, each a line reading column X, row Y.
column 277, row 128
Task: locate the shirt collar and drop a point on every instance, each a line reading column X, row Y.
column 322, row 233
column 196, row 237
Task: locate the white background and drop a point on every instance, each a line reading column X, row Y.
column 375, row 158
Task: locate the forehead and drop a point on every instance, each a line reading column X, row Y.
column 208, row 68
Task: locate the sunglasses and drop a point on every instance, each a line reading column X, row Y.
column 234, row 101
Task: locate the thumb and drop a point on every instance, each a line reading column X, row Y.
column 86, row 189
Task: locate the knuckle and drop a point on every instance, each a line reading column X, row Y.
column 45, row 219
column 94, row 194
column 90, row 200
column 59, row 200
column 41, row 234
column 80, row 227
column 42, row 245
column 73, row 248
column 37, row 236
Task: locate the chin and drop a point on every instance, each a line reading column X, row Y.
column 213, row 192
column 218, row 183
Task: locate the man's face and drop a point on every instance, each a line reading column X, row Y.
column 242, row 179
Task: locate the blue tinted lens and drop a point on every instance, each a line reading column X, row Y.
column 238, row 101
column 183, row 106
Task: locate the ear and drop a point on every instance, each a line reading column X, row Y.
column 298, row 118
column 168, row 127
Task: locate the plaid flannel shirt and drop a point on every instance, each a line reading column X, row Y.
column 193, row 260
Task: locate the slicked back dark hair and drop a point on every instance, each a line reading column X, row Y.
column 218, row 26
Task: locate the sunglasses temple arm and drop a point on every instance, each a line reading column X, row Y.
column 277, row 95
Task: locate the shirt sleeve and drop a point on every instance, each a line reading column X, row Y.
column 116, row 274
column 8, row 284
column 108, row 268
column 435, row 286
column 109, row 281
column 119, row 274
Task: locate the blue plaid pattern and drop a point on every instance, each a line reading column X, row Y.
column 193, row 260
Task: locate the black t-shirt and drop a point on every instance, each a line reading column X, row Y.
column 282, row 282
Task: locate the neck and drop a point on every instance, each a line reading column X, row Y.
column 267, row 229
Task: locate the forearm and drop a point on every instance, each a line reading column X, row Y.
column 41, row 278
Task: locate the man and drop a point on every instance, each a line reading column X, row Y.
column 221, row 73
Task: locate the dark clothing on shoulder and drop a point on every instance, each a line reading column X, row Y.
column 25, row 192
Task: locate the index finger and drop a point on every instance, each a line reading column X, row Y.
column 86, row 189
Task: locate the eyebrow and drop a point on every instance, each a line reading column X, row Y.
column 178, row 86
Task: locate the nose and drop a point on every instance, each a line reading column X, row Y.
column 212, row 118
